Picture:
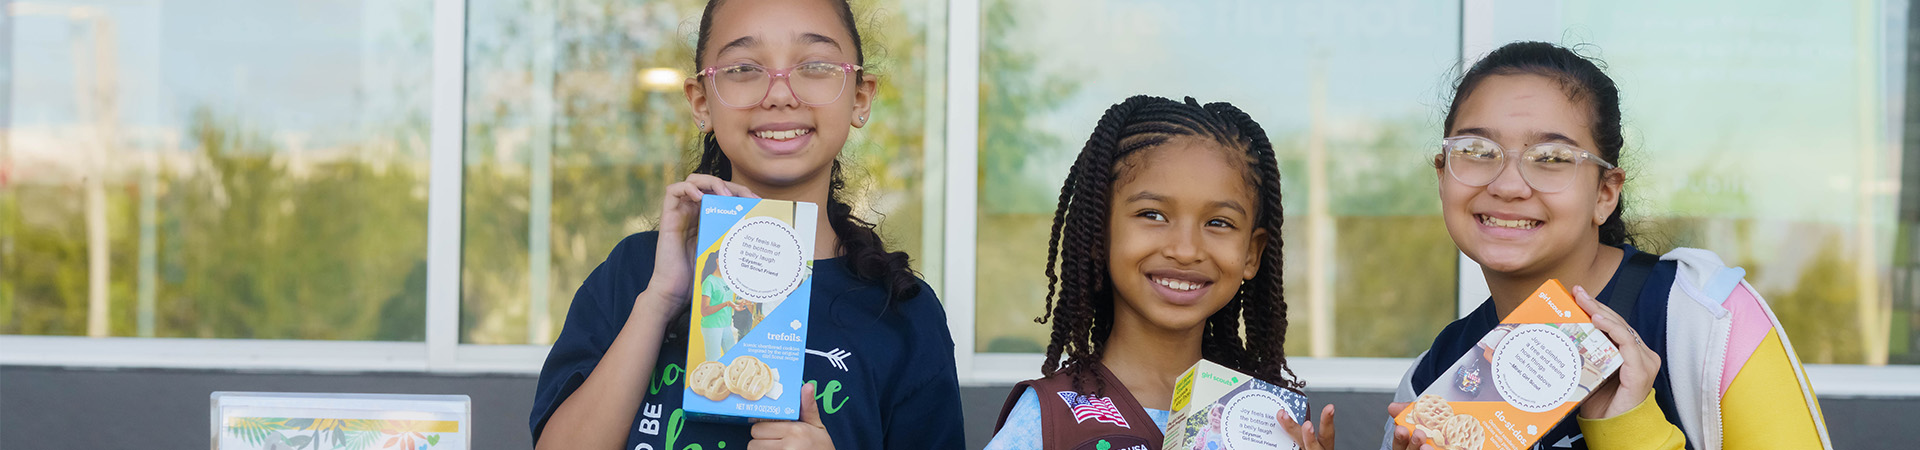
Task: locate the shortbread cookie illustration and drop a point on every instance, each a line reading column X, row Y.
column 1429, row 412
column 1461, row 432
column 749, row 377
column 709, row 380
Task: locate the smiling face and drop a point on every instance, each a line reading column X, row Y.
column 1182, row 234
column 779, row 141
column 1507, row 226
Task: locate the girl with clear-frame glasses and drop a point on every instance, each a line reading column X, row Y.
column 1551, row 215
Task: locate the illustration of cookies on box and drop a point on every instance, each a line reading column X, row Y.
column 749, row 377
column 709, row 380
column 752, row 289
column 1519, row 381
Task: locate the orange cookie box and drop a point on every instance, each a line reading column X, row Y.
column 1522, row 378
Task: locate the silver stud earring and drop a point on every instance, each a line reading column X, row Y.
column 703, row 124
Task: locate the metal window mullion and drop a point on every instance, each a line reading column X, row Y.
column 540, row 184
column 444, row 201
column 962, row 180
column 933, row 154
column 1476, row 39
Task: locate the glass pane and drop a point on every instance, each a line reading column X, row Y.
column 1769, row 132
column 215, row 169
column 576, row 120
column 1344, row 91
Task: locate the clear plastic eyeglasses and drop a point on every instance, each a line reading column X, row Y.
column 746, row 85
column 1547, row 167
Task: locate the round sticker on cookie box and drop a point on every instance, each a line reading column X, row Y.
column 760, row 259
column 1535, row 367
column 1252, row 421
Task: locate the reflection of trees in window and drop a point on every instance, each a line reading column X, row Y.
column 1013, row 91
column 1394, row 267
column 1016, row 210
column 886, row 160
column 260, row 248
column 1818, row 312
column 249, row 245
column 557, row 122
column 43, row 277
column 1809, row 280
column 233, row 226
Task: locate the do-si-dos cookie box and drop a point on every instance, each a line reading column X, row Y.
column 752, row 286
column 1519, row 381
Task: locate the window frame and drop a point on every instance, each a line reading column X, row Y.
column 950, row 171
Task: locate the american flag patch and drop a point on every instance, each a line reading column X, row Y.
column 1090, row 407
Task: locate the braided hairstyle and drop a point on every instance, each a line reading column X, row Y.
column 1079, row 289
column 866, row 252
column 1584, row 83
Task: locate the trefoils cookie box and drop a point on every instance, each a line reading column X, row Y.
column 1216, row 408
column 1519, row 381
column 752, row 286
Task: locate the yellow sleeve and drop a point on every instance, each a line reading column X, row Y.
column 1643, row 427
column 1764, row 408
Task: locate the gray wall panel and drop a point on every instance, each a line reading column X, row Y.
column 59, row 408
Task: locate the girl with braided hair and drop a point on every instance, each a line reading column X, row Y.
column 1165, row 244
column 779, row 87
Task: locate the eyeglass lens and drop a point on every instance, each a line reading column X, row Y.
column 812, row 83
column 1549, row 167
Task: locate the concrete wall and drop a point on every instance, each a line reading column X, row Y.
column 59, row 408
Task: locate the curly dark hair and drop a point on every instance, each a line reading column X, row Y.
column 867, row 253
column 1079, row 289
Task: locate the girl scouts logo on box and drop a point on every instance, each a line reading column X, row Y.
column 761, row 257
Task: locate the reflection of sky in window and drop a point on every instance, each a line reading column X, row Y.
column 1721, row 98
column 324, row 69
column 1382, row 60
column 1383, row 66
column 1754, row 109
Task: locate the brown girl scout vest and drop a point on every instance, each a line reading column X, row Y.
column 1070, row 420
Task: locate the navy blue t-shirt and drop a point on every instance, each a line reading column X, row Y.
column 1649, row 314
column 883, row 371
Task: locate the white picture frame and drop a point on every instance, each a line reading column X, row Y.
column 327, row 421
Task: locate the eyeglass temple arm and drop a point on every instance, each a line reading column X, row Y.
column 1604, row 165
